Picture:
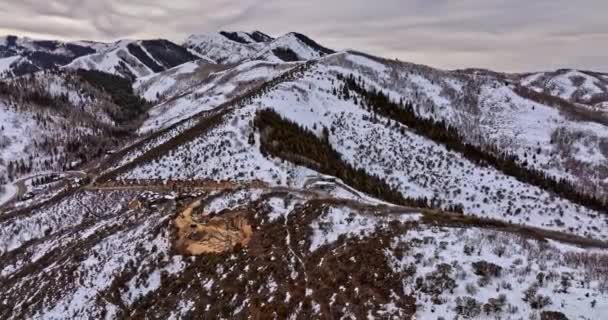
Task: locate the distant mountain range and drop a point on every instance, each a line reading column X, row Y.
column 134, row 59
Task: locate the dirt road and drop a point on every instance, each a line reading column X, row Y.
column 431, row 217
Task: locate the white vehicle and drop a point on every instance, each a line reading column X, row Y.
column 28, row 196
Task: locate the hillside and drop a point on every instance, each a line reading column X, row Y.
column 134, row 59
column 56, row 121
column 19, row 56
column 583, row 87
column 229, row 47
column 243, row 176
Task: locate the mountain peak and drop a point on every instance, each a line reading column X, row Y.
column 313, row 44
column 236, row 46
column 245, row 37
column 261, row 37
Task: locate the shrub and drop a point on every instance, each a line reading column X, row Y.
column 438, row 281
column 534, row 299
column 486, row 269
column 552, row 315
column 467, row 307
column 468, row 250
column 483, row 281
column 471, row 289
column 495, row 305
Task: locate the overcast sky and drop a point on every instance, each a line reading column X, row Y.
column 506, row 35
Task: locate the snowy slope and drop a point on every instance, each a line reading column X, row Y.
column 206, row 88
column 292, row 47
column 220, row 48
column 490, row 112
column 227, row 48
column 336, row 256
column 134, row 59
column 416, row 166
column 36, row 144
column 573, row 85
column 44, row 113
column 115, row 60
column 157, row 87
column 221, row 154
column 24, row 55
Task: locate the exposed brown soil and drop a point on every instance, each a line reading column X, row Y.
column 211, row 235
column 431, row 217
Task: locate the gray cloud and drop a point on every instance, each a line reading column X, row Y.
column 510, row 35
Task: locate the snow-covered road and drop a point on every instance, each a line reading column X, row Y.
column 8, row 193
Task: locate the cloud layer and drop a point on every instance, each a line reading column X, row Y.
column 509, row 35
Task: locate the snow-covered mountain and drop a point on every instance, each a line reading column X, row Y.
column 233, row 47
column 293, row 47
column 564, row 141
column 276, row 178
column 578, row 86
column 135, row 59
column 19, row 56
column 126, row 58
column 226, row 47
column 54, row 120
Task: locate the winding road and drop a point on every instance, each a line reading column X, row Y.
column 19, row 187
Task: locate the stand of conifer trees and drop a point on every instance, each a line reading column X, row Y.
column 121, row 91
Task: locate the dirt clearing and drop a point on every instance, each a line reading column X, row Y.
column 210, row 235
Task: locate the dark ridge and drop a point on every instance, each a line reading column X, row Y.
column 286, row 54
column 46, row 60
column 258, row 36
column 24, row 68
column 562, row 71
column 311, row 43
column 11, row 41
column 168, row 53
column 79, row 50
column 124, row 70
column 598, row 98
column 234, row 37
column 139, row 53
column 121, row 91
column 46, row 44
column 482, row 72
